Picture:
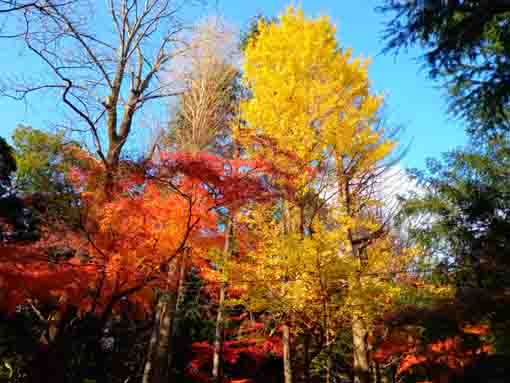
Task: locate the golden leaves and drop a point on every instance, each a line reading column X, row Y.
column 308, row 94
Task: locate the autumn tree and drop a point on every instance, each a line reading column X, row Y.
column 106, row 75
column 7, row 167
column 466, row 50
column 202, row 115
column 200, row 120
column 314, row 101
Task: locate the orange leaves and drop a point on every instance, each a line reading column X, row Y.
column 256, row 349
column 124, row 249
column 409, row 361
column 27, row 273
column 478, row 329
column 451, row 353
column 230, row 183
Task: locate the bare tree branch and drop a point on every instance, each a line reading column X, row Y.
column 91, row 69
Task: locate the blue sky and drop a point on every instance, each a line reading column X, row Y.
column 413, row 100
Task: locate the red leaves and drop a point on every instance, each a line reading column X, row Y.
column 28, row 270
column 452, row 353
column 247, row 343
column 157, row 212
column 256, row 349
column 230, row 183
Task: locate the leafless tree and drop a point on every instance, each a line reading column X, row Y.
column 104, row 61
column 207, row 72
column 7, row 6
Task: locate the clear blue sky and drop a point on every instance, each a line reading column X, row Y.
column 413, row 100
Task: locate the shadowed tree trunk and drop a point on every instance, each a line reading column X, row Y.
column 361, row 363
column 181, row 291
column 218, row 334
column 156, row 368
column 152, row 343
column 50, row 359
column 307, row 361
column 329, row 368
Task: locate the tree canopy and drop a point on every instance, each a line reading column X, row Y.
column 466, row 49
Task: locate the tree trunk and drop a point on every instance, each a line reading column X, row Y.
column 359, row 350
column 218, row 335
column 329, row 368
column 152, row 344
column 361, row 365
column 50, row 360
column 181, row 291
column 48, row 365
column 287, row 367
column 161, row 368
column 377, row 373
column 218, row 340
column 307, row 361
column 156, row 367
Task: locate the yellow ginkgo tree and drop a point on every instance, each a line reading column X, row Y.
column 312, row 113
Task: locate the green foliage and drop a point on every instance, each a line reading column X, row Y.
column 7, row 164
column 341, row 354
column 462, row 219
column 464, row 213
column 467, row 46
column 41, row 160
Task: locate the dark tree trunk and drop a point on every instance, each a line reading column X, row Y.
column 307, row 361
column 218, row 335
column 49, row 365
column 156, row 368
column 181, row 291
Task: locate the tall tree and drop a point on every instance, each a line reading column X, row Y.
column 201, row 118
column 314, row 101
column 466, row 48
column 7, row 168
column 7, row 163
column 466, row 207
column 107, row 74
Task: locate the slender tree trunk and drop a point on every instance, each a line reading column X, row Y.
column 360, row 352
column 377, row 373
column 329, row 368
column 359, row 327
column 152, row 343
column 307, row 361
column 156, row 367
column 49, row 364
column 329, row 360
column 161, row 368
column 218, row 334
column 181, row 291
column 287, row 365
column 218, row 340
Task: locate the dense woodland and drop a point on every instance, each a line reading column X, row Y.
column 266, row 233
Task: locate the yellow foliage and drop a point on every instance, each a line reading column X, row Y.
column 308, row 95
column 311, row 105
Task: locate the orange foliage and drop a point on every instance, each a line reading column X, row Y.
column 154, row 214
column 453, row 352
